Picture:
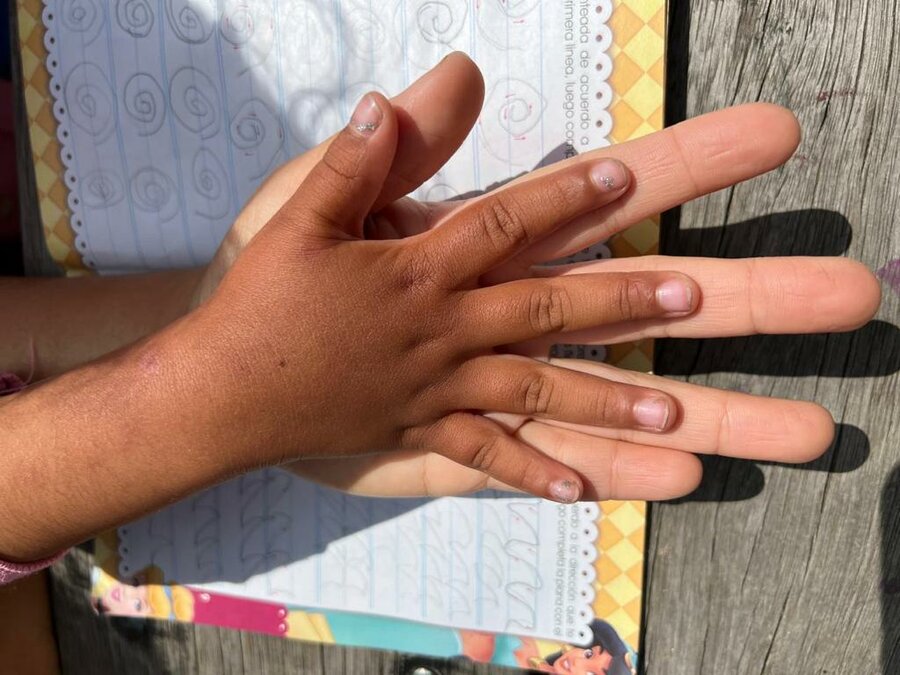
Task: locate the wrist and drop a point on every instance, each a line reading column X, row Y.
column 107, row 443
column 216, row 389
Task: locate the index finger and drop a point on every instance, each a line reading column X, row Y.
column 671, row 167
column 489, row 230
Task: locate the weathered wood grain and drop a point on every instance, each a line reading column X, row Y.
column 801, row 575
column 767, row 569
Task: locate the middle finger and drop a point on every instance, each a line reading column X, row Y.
column 522, row 310
column 739, row 297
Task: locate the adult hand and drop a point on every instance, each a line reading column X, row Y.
column 739, row 297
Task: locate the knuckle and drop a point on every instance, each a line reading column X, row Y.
column 549, row 310
column 562, row 192
column 524, row 472
column 537, row 394
column 680, row 160
column 414, row 270
column 412, row 436
column 501, row 223
column 484, row 454
column 343, row 160
column 606, row 406
column 635, row 299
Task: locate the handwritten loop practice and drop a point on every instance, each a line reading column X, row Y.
column 498, row 562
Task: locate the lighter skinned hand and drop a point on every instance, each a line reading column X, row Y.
column 739, row 297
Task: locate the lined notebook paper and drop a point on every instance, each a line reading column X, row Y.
column 170, row 119
column 493, row 563
column 152, row 123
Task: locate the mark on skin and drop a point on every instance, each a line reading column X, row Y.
column 891, row 274
column 282, row 363
column 149, row 363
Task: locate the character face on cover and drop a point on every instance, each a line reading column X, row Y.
column 606, row 655
column 589, row 661
column 147, row 597
column 124, row 600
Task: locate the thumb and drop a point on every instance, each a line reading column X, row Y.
column 342, row 187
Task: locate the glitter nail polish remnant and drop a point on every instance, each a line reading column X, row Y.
column 564, row 491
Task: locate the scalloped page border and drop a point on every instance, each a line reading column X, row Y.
column 80, row 246
column 70, row 178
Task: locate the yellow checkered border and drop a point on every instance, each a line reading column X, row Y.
column 638, row 81
column 45, row 147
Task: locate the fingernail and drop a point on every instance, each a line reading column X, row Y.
column 675, row 296
column 652, row 413
column 609, row 175
column 367, row 116
column 565, row 491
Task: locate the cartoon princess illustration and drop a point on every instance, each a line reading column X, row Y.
column 146, row 598
column 606, row 654
column 149, row 597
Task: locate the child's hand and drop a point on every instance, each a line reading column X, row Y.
column 435, row 115
column 340, row 346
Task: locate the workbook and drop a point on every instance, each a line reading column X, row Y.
column 152, row 122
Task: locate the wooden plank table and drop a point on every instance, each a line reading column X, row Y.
column 766, row 569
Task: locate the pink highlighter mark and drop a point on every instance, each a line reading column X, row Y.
column 891, row 274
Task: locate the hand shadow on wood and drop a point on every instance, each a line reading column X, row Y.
column 890, row 573
column 727, row 480
column 873, row 350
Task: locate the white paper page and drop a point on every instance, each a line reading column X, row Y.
column 494, row 562
column 172, row 112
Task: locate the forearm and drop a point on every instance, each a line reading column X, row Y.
column 113, row 440
column 54, row 325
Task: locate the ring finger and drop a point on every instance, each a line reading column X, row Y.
column 517, row 385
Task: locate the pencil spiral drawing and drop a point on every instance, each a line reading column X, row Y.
column 135, row 17
column 145, row 103
column 102, row 189
column 194, row 99
column 84, row 18
column 153, row 192
column 211, row 183
column 90, row 101
column 192, row 21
